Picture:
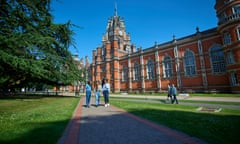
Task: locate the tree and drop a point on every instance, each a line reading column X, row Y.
column 33, row 48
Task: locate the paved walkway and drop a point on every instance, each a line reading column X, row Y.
column 111, row 125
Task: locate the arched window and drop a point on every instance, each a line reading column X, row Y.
column 167, row 67
column 136, row 71
column 189, row 63
column 217, row 59
column 150, row 69
column 124, row 73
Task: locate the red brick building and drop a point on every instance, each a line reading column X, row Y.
column 202, row 62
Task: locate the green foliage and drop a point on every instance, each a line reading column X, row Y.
column 32, row 47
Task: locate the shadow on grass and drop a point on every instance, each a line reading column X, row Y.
column 118, row 129
column 43, row 133
column 216, row 129
column 105, row 125
column 212, row 127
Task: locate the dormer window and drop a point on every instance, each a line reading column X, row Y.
column 120, row 32
column 128, row 48
column 111, row 33
column 222, row 17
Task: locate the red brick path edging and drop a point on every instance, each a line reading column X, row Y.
column 71, row 134
column 167, row 131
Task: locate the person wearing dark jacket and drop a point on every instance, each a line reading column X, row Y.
column 169, row 93
column 173, row 91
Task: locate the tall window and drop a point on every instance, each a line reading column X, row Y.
column 217, row 59
column 189, row 63
column 136, row 71
column 124, row 73
column 103, row 54
column 230, row 58
column 167, row 67
column 226, row 38
column 234, row 79
column 103, row 68
column 150, row 69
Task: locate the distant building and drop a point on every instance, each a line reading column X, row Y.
column 78, row 86
column 202, row 62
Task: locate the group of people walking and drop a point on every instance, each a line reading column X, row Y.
column 103, row 88
column 172, row 93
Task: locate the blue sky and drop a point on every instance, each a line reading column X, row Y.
column 147, row 21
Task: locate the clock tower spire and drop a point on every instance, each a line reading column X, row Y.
column 116, row 31
column 116, row 43
column 115, row 9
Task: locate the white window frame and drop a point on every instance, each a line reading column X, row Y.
column 189, row 68
column 136, row 71
column 124, row 74
column 217, row 59
column 150, row 69
column 167, row 67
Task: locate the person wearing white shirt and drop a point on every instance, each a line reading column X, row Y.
column 106, row 91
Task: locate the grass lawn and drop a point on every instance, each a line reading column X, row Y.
column 163, row 101
column 34, row 120
column 216, row 128
column 215, row 94
column 191, row 94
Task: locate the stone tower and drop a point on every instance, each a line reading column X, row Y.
column 228, row 14
column 115, row 43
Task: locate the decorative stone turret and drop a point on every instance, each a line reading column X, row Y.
column 228, row 13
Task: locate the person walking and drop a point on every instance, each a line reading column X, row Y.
column 98, row 93
column 106, row 91
column 174, row 94
column 88, row 94
column 169, row 94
